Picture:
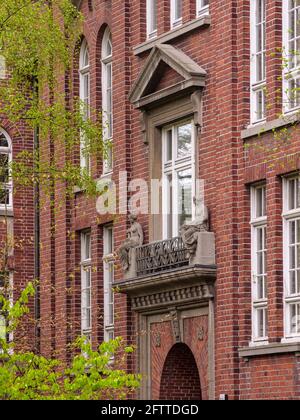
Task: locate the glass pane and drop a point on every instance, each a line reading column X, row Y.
column 184, row 135
column 292, row 233
column 292, row 282
column 3, row 140
column 261, row 288
column 153, row 16
column 261, row 323
column 178, row 9
column 169, row 146
column 4, row 196
column 292, row 258
column 260, row 202
column 87, row 246
column 170, row 207
column 4, row 168
column 295, row 318
column 185, row 196
column 291, row 194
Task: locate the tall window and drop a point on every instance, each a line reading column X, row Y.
column 108, row 260
column 176, row 13
column 178, row 177
column 202, row 7
column 259, row 264
column 258, row 60
column 291, row 256
column 291, row 42
column 86, row 285
column 107, row 99
column 5, row 179
column 85, row 100
column 151, row 18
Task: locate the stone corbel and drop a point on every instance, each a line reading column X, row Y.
column 196, row 99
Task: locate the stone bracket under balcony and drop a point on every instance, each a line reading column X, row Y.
column 186, row 285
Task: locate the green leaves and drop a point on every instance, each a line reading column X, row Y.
column 91, row 375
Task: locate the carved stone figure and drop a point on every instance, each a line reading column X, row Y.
column 189, row 232
column 135, row 237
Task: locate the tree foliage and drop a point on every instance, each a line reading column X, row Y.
column 91, row 375
column 38, row 51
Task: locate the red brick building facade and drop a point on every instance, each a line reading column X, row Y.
column 215, row 313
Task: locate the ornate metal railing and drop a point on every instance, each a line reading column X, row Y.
column 161, row 256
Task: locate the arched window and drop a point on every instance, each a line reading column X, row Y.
column 5, row 179
column 107, row 99
column 84, row 69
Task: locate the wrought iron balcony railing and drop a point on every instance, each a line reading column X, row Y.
column 161, row 256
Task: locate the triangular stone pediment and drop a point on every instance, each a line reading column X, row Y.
column 166, row 73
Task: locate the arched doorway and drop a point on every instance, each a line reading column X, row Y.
column 180, row 377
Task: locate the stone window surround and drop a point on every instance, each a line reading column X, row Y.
column 200, row 22
column 152, row 123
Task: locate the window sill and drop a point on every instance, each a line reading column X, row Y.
column 270, row 349
column 262, row 128
column 6, row 212
column 201, row 21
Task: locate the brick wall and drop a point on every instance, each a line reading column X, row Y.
column 227, row 167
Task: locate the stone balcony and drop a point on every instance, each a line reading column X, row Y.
column 167, row 272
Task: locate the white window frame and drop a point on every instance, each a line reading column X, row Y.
column 289, row 215
column 9, row 185
column 152, row 18
column 86, row 285
column 172, row 168
column 259, row 304
column 258, row 87
column 108, row 281
column 175, row 22
column 107, row 97
column 291, row 74
column 202, row 9
column 85, row 98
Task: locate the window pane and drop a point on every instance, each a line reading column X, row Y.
column 260, row 202
column 3, row 140
column 169, row 146
column 170, row 209
column 184, row 146
column 295, row 318
column 262, row 323
column 178, row 9
column 185, row 196
column 152, row 16
column 4, row 168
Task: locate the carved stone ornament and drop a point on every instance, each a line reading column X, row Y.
column 189, row 232
column 157, row 340
column 135, row 238
column 201, row 334
column 176, row 326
